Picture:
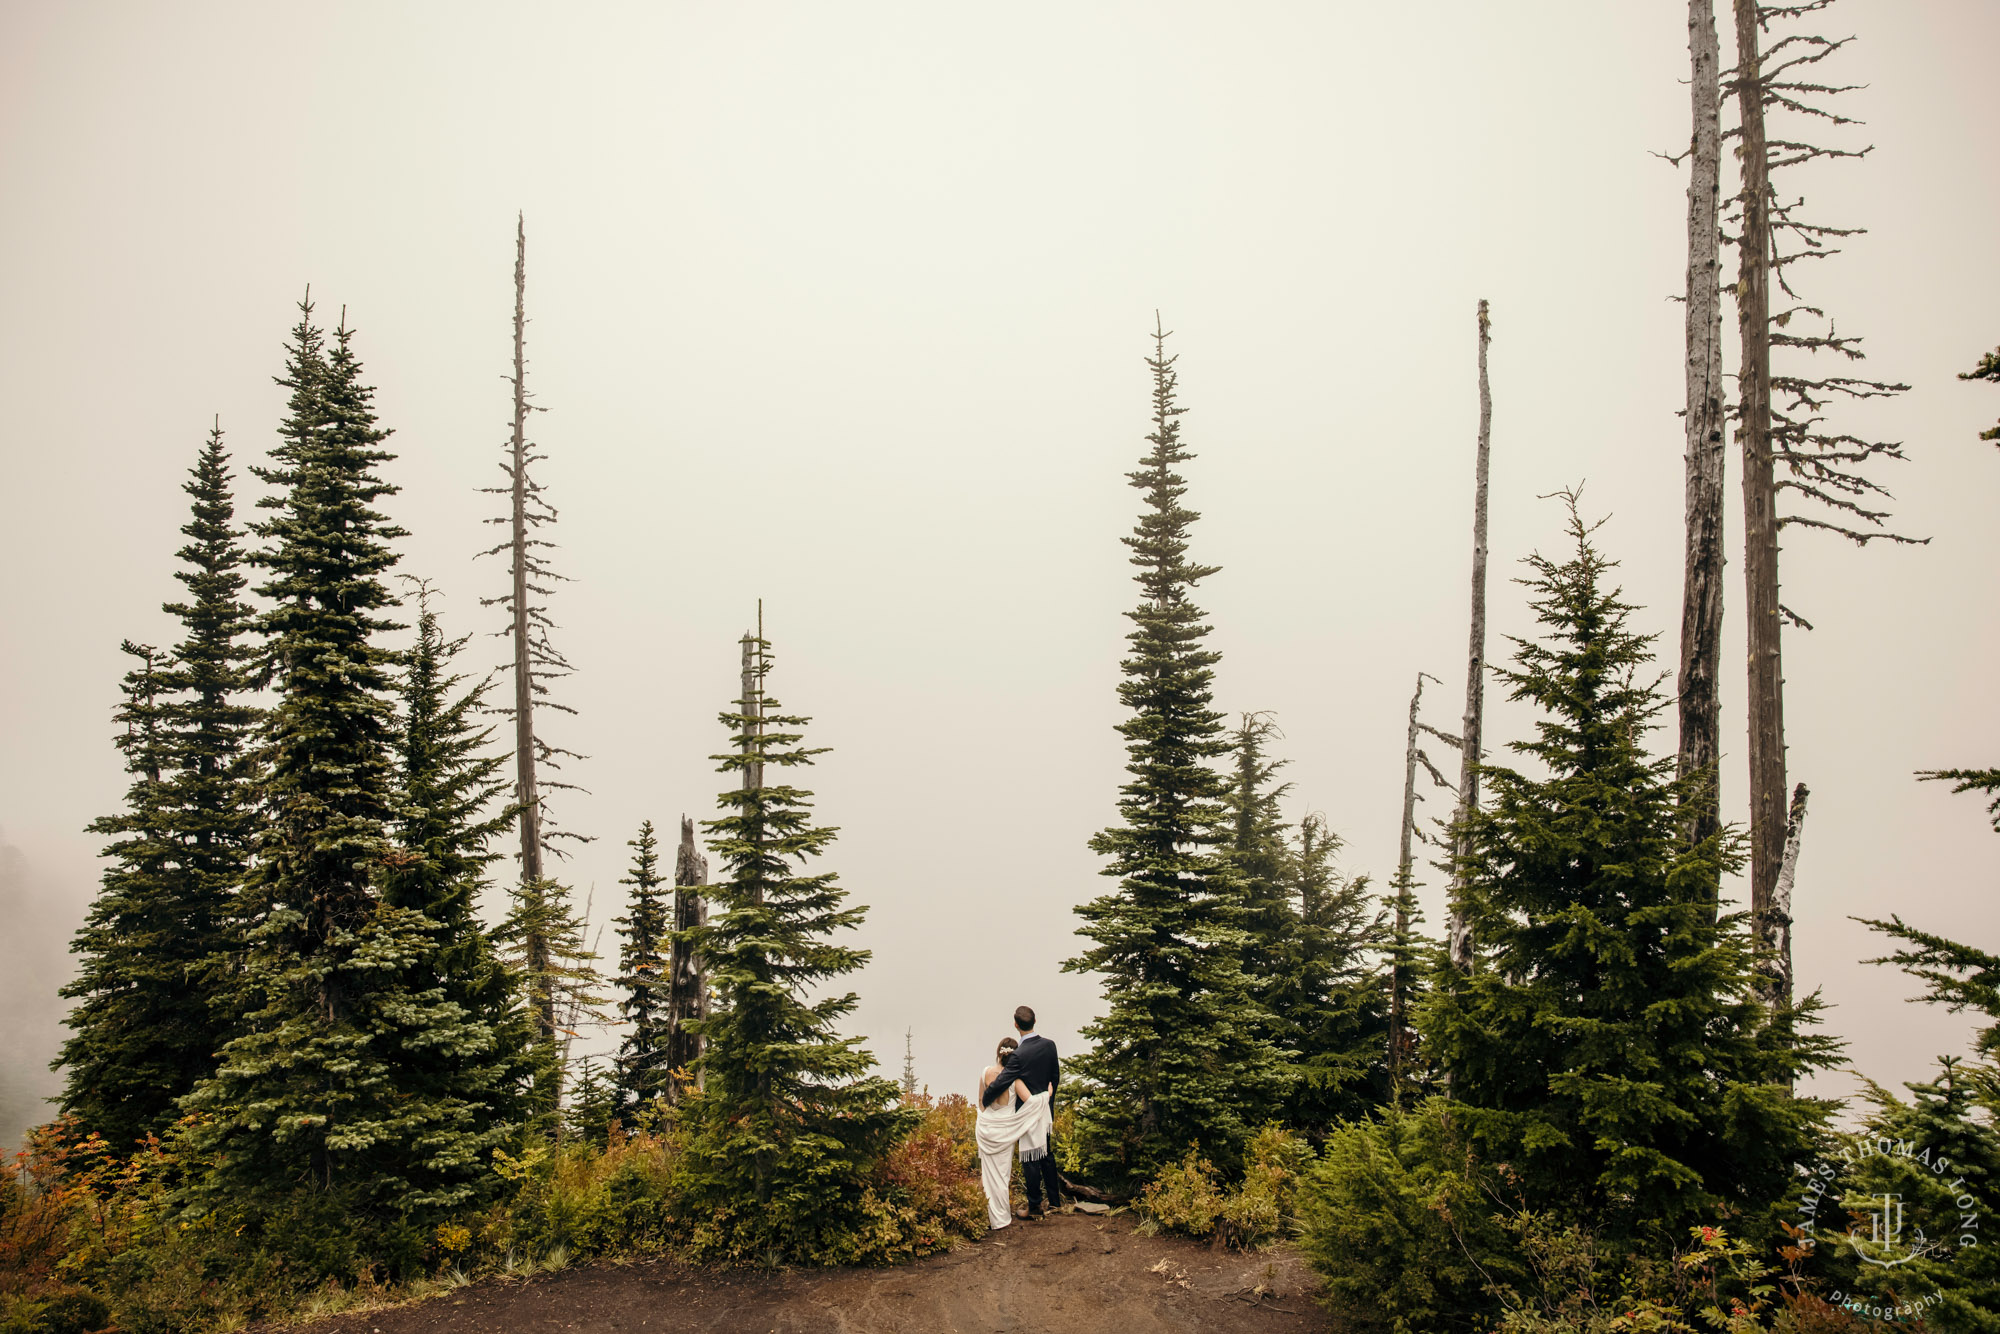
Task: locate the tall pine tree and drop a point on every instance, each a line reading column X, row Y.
column 646, row 941
column 354, row 1076
column 1182, row 1053
column 1258, row 851
column 1608, row 1044
column 158, row 943
column 1937, row 1159
column 1334, row 996
column 789, row 1122
column 451, row 785
column 1313, row 938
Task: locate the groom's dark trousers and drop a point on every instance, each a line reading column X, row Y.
column 1035, row 1064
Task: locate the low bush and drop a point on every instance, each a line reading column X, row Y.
column 1397, row 1220
column 1412, row 1234
column 1184, row 1199
column 920, row 1196
column 585, row 1200
column 90, row 1241
column 1188, row 1199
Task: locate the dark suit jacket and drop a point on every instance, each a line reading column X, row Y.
column 1034, row 1063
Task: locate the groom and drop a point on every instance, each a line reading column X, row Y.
column 1034, row 1063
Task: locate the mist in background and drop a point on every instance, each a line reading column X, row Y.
column 844, row 307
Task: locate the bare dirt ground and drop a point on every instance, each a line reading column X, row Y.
column 1067, row 1275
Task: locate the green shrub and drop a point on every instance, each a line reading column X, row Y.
column 1264, row 1206
column 591, row 1201
column 1396, row 1220
column 1713, row 1284
column 56, row 1310
column 921, row 1195
column 1188, row 1199
column 1184, row 1199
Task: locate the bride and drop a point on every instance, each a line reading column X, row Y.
column 1022, row 1119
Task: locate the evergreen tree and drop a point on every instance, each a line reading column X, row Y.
column 594, row 1103
column 789, row 1122
column 1960, row 977
column 555, row 974
column 157, row 945
column 1333, row 998
column 1937, row 1157
column 1312, row 937
column 1261, row 857
column 450, row 784
column 1955, row 1117
column 1407, row 958
column 1182, row 1053
column 135, row 1041
column 646, row 933
column 1607, row 1044
column 354, row 1075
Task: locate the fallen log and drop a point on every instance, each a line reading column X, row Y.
column 1081, row 1192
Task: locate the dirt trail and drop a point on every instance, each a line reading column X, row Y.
column 1067, row 1275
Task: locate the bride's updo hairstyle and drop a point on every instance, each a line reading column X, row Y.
column 1007, row 1046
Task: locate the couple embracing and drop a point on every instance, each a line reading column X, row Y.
column 1016, row 1110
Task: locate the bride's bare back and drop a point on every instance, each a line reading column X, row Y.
column 987, row 1076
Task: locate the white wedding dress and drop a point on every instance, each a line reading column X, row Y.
column 999, row 1130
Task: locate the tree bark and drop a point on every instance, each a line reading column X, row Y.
column 527, row 794
column 1774, row 929
column 1760, row 520
column 1399, row 984
column 687, row 989
column 1460, row 937
column 1706, row 448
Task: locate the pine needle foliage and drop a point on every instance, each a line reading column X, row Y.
column 1987, row 369
column 353, row 1075
column 452, row 786
column 1182, row 1054
column 1333, row 996
column 1607, row 1044
column 790, row 1121
column 1971, row 780
column 1960, row 977
column 1259, row 852
column 1956, row 1117
column 1938, row 1156
column 1409, row 959
column 645, row 942
column 159, row 942
column 544, row 941
column 1312, row 961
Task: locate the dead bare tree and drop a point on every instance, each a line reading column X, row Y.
column 1402, row 948
column 1706, row 447
column 1781, row 418
column 535, row 661
column 687, row 987
column 1774, row 928
column 1460, row 937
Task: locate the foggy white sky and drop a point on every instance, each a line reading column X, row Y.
column 845, row 306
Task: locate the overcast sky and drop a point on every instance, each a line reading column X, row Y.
column 845, row 306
